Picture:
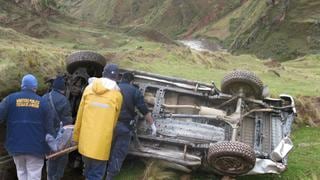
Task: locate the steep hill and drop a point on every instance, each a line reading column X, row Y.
column 28, row 36
column 282, row 31
column 279, row 29
column 171, row 17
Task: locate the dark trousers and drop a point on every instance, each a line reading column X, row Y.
column 93, row 169
column 120, row 147
column 56, row 166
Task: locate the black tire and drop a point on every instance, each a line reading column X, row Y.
column 231, row 158
column 92, row 61
column 251, row 85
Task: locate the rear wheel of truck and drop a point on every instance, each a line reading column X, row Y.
column 91, row 61
column 247, row 81
column 231, row 158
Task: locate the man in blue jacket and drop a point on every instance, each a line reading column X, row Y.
column 28, row 120
column 132, row 98
column 61, row 108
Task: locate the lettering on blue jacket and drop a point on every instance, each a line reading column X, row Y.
column 23, row 102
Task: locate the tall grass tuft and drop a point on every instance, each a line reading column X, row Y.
column 156, row 170
column 308, row 110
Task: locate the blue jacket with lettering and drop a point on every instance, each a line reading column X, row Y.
column 28, row 120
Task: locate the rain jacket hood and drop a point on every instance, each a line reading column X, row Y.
column 102, row 85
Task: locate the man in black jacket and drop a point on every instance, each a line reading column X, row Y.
column 132, row 98
column 61, row 108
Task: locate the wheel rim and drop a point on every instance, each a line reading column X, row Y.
column 246, row 89
column 250, row 84
column 231, row 158
column 230, row 164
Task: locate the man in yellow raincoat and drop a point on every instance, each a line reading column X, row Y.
column 96, row 118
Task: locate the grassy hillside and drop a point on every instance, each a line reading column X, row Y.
column 297, row 77
column 170, row 17
column 54, row 37
column 288, row 33
column 31, row 43
column 282, row 31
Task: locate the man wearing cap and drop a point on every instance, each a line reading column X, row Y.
column 28, row 120
column 61, row 108
column 132, row 99
column 96, row 118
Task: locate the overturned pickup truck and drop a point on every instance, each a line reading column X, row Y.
column 232, row 131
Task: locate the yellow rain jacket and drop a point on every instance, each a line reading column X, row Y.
column 97, row 116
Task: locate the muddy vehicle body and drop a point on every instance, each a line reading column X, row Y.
column 232, row 131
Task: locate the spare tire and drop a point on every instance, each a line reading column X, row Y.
column 92, row 61
column 250, row 84
column 231, row 158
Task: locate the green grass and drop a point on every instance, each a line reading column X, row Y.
column 298, row 77
column 293, row 79
column 304, row 160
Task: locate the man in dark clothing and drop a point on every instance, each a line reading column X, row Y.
column 28, row 120
column 61, row 108
column 132, row 98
